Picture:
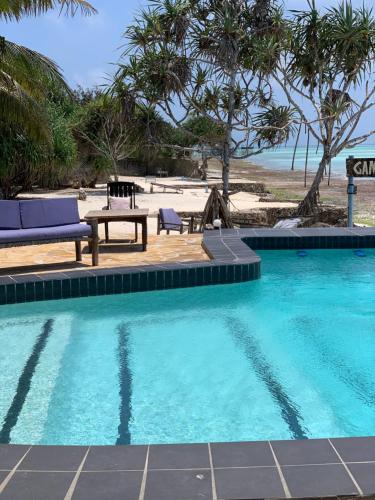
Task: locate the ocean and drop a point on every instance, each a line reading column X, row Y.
column 281, row 158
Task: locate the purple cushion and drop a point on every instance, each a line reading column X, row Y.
column 45, row 233
column 10, row 214
column 169, row 219
column 47, row 213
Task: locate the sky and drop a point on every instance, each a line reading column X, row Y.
column 87, row 48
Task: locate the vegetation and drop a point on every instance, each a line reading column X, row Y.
column 33, row 132
column 213, row 59
column 326, row 57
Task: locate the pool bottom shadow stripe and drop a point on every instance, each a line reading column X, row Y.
column 125, row 383
column 24, row 383
column 288, row 409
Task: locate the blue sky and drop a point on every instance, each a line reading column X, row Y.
column 86, row 48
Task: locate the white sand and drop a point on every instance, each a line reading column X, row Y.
column 191, row 200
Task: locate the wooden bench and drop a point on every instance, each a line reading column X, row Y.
column 175, row 189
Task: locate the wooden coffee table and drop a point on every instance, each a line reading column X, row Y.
column 136, row 215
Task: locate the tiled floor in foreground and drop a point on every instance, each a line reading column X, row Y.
column 61, row 256
column 277, row 469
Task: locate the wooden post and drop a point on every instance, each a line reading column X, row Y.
column 94, row 242
column 78, row 251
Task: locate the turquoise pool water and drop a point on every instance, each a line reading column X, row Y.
column 289, row 356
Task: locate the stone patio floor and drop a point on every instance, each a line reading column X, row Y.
column 61, row 256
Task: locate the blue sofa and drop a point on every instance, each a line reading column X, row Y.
column 36, row 222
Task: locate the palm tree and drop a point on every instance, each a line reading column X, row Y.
column 24, row 72
column 212, row 59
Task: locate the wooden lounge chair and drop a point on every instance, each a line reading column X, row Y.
column 169, row 220
column 120, row 190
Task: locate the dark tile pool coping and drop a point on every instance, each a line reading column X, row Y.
column 319, row 468
column 228, row 471
column 233, row 260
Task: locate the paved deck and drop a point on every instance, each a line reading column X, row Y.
column 217, row 471
column 61, row 256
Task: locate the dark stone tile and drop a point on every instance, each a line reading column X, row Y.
column 256, row 482
column 159, row 280
column 151, row 280
column 25, row 278
column 83, row 287
column 56, row 289
column 103, row 458
column 200, row 276
column 318, row 480
column 111, row 485
column 126, row 283
column 100, row 280
column 29, row 292
column 20, row 292
column 65, row 289
column 364, row 474
column 48, row 290
column 38, row 486
column 184, row 280
column 168, row 278
column 53, row 458
column 7, row 280
column 39, row 290
column 143, row 281
column 241, row 454
column 184, row 456
column 192, row 280
column 117, row 283
column 178, row 485
column 10, row 455
column 306, row 451
column 361, row 449
column 74, row 287
column 11, row 293
column 134, row 281
column 93, row 289
column 109, row 284
column 3, row 294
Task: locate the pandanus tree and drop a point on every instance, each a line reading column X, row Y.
column 211, row 59
column 26, row 74
column 327, row 74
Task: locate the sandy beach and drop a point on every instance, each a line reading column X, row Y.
column 286, row 187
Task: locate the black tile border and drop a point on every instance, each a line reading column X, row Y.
column 216, row 471
column 233, row 260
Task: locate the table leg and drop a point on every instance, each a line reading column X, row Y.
column 78, row 251
column 144, row 235
column 106, row 230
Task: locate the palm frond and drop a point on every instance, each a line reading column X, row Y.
column 16, row 9
column 17, row 107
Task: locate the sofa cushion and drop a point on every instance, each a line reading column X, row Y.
column 45, row 233
column 47, row 213
column 10, row 214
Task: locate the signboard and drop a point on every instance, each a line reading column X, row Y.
column 360, row 167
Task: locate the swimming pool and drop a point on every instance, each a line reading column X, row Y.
column 285, row 357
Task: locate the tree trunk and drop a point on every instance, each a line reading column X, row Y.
column 309, row 205
column 228, row 137
column 115, row 170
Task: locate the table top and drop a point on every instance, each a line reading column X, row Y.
column 117, row 214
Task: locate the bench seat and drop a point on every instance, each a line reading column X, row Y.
column 44, row 233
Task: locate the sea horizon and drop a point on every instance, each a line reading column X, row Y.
column 282, row 158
